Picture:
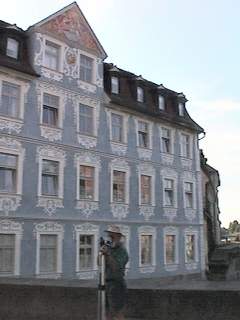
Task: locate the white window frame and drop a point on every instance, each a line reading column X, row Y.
column 195, row 233
column 94, row 67
column 190, row 145
column 60, row 58
column 24, row 86
column 169, row 231
column 150, row 128
column 49, row 228
column 171, row 175
column 92, row 230
column 146, row 170
column 52, row 154
column 117, row 85
column 12, row 227
column 90, row 160
column 124, row 129
column 120, row 165
column 171, row 135
column 60, row 108
column 93, row 106
column 17, row 49
column 148, row 231
column 13, row 147
column 140, row 89
column 181, row 109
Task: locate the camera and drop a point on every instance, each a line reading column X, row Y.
column 104, row 242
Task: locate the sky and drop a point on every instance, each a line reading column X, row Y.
column 188, row 46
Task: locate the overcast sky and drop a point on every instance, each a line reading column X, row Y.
column 189, row 46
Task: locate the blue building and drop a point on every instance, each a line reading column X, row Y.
column 85, row 144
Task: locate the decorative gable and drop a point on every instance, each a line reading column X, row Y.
column 70, row 26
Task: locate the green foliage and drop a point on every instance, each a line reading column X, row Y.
column 234, row 227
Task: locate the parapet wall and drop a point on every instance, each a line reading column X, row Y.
column 34, row 302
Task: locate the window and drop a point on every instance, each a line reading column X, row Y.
column 10, row 102
column 143, row 135
column 185, row 145
column 86, row 125
column 170, row 249
column 146, row 250
column 118, row 186
column 169, row 192
column 190, row 248
column 52, row 53
column 161, row 102
column 181, row 109
column 50, row 173
column 8, row 173
column 50, row 110
column 188, row 190
column 86, row 68
column 140, row 94
column 166, row 140
column 12, row 48
column 86, row 186
column 115, row 85
column 48, row 253
column 7, row 253
column 117, row 127
column 86, row 251
column 146, row 197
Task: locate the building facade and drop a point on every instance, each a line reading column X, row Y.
column 84, row 144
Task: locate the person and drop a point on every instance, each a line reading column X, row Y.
column 116, row 260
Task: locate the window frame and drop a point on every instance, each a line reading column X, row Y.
column 146, row 171
column 171, row 231
column 191, row 232
column 124, row 126
column 94, row 67
column 60, row 56
column 140, row 94
column 181, row 109
column 161, row 102
column 16, row 57
column 148, row 231
column 122, row 167
column 171, row 175
column 190, row 145
column 149, row 126
column 93, row 121
column 116, row 85
column 171, row 140
column 94, row 135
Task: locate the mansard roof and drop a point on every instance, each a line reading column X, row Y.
column 70, row 25
column 22, row 62
column 128, row 83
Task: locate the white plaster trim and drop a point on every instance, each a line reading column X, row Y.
column 190, row 213
column 51, row 228
column 174, row 265
column 10, row 125
column 71, row 62
column 147, row 230
column 12, row 227
column 50, row 133
column 86, row 229
column 144, row 153
column 191, row 231
column 172, row 134
column 58, row 73
column 147, row 169
column 95, row 76
column 170, row 211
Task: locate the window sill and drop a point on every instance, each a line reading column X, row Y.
column 87, row 141
column 52, row 74
column 119, row 210
column 167, row 158
column 191, row 265
column 186, row 163
column 49, row 275
column 147, row 211
column 147, row 268
column 87, row 86
column 87, row 206
column 86, row 274
column 50, row 204
column 9, row 202
column 118, row 148
column 170, row 267
column 144, row 153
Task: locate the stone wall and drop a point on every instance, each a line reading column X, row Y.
column 26, row 302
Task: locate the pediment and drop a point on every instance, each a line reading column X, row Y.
column 70, row 26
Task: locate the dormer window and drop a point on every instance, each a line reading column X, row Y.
column 12, row 48
column 115, row 85
column 181, row 109
column 140, row 94
column 161, row 102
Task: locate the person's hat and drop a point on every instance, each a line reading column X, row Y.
column 114, row 229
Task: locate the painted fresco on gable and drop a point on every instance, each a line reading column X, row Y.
column 71, row 26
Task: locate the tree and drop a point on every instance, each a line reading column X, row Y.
column 234, row 227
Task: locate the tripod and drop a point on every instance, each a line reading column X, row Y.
column 101, row 288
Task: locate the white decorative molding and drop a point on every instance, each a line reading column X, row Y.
column 151, row 231
column 87, row 157
column 169, row 173
column 50, row 205
column 38, row 59
column 11, row 126
column 87, row 207
column 119, row 210
column 144, row 153
column 186, row 163
column 47, row 227
column 9, row 203
column 120, row 164
column 89, row 87
column 70, row 63
column 172, row 231
column 170, row 213
column 87, row 141
column 51, row 152
column 52, row 134
column 147, row 269
column 8, row 226
column 146, row 168
column 146, row 211
column 167, row 159
column 119, row 148
column 10, row 143
column 86, row 228
column 193, row 264
column 190, row 214
column 52, row 74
